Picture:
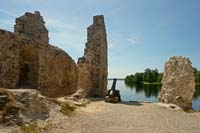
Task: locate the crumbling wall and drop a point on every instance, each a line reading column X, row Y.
column 27, row 61
column 28, row 70
column 84, row 79
column 9, row 60
column 58, row 73
column 178, row 82
column 49, row 69
column 93, row 65
column 32, row 25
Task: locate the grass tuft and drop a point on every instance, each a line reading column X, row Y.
column 68, row 109
column 29, row 128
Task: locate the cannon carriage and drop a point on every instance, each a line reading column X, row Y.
column 113, row 95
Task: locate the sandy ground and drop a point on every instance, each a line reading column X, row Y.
column 125, row 117
column 129, row 117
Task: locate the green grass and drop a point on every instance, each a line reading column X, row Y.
column 34, row 128
column 155, row 83
column 197, row 83
column 68, row 110
column 31, row 128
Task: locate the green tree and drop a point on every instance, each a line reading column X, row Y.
column 154, row 75
column 197, row 77
column 147, row 74
column 138, row 79
column 195, row 70
column 159, row 78
column 150, row 76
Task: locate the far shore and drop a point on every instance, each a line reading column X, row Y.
column 148, row 83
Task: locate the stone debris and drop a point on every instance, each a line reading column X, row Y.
column 23, row 106
column 79, row 94
column 170, row 106
column 33, row 105
column 178, row 83
column 9, row 109
column 92, row 67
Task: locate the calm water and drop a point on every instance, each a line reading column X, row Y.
column 147, row 93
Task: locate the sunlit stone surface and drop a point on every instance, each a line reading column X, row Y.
column 178, row 82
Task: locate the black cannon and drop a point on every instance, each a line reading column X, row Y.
column 113, row 95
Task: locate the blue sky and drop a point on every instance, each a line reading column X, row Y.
column 141, row 33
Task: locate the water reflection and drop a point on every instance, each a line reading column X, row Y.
column 150, row 93
column 149, row 90
column 197, row 92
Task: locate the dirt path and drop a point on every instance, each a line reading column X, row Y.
column 101, row 117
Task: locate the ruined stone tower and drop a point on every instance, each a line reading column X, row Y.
column 32, row 25
column 178, row 83
column 92, row 67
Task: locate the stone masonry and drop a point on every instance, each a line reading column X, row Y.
column 28, row 61
column 92, row 67
column 32, row 25
column 178, row 83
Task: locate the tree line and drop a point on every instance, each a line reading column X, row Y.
column 196, row 75
column 153, row 76
column 148, row 76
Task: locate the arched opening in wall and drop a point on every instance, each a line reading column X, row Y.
column 28, row 68
column 24, row 76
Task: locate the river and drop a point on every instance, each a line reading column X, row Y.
column 148, row 93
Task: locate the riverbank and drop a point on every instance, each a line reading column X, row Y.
column 129, row 117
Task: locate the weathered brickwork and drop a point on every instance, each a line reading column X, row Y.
column 27, row 60
column 93, row 65
column 178, row 82
column 32, row 25
column 26, row 63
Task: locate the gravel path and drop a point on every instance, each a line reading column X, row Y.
column 126, row 117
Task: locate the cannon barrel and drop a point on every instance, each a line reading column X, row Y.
column 113, row 95
column 114, row 84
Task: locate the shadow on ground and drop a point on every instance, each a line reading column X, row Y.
column 133, row 103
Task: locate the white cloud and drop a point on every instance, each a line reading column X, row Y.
column 121, row 41
column 7, row 12
column 64, row 32
column 132, row 40
column 69, row 36
column 60, row 25
column 30, row 1
column 7, row 24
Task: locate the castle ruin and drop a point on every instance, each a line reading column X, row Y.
column 27, row 60
column 178, row 82
column 32, row 25
column 92, row 67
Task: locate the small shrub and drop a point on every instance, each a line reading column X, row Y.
column 30, row 128
column 68, row 110
column 34, row 128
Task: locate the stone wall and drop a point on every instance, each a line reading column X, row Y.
column 32, row 25
column 27, row 63
column 178, row 82
column 58, row 73
column 93, row 65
